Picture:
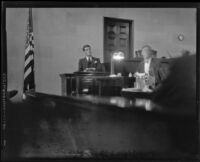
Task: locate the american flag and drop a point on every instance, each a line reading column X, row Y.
column 29, row 80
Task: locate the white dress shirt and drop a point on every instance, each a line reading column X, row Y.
column 147, row 66
column 89, row 58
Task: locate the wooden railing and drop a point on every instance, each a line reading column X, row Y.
column 56, row 126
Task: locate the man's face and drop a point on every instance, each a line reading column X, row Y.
column 87, row 51
column 146, row 53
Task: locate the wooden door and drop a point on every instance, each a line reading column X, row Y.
column 117, row 36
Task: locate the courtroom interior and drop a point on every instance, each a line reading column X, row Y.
column 101, row 82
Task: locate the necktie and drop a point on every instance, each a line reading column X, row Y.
column 89, row 62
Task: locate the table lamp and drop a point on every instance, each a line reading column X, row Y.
column 116, row 56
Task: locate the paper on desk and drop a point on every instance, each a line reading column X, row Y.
column 131, row 90
column 146, row 89
column 136, row 90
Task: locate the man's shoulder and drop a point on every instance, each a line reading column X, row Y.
column 156, row 62
column 82, row 59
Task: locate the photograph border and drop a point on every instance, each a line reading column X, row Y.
column 55, row 4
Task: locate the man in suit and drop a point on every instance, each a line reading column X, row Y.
column 151, row 67
column 89, row 63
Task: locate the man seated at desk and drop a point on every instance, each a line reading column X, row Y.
column 89, row 63
column 149, row 69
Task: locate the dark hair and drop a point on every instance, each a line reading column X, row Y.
column 87, row 45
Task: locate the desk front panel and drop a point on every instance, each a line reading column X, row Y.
column 94, row 84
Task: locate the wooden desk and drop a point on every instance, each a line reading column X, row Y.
column 111, row 86
column 68, row 86
column 80, row 83
column 95, row 83
column 85, row 82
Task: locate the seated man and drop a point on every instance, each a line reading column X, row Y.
column 150, row 68
column 89, row 63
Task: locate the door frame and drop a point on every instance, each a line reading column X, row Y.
column 131, row 30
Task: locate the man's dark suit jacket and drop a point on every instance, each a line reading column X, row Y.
column 155, row 70
column 95, row 63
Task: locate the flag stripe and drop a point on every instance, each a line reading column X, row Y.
column 27, row 72
column 31, row 64
column 28, row 54
column 29, row 48
column 27, row 61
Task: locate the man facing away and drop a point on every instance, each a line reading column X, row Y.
column 150, row 67
column 89, row 63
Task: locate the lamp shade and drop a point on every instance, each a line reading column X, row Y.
column 118, row 55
